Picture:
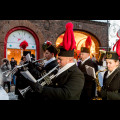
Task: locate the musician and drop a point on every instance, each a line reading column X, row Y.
column 111, row 81
column 49, row 63
column 50, row 53
column 50, row 56
column 20, row 80
column 90, row 85
column 69, row 82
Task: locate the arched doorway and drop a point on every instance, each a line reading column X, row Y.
column 13, row 39
column 80, row 38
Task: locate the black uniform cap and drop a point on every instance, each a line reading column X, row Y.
column 84, row 49
column 112, row 55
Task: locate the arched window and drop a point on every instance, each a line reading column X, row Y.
column 80, row 38
column 13, row 39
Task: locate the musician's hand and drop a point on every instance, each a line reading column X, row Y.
column 30, row 65
column 36, row 87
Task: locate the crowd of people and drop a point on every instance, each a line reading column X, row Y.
column 71, row 79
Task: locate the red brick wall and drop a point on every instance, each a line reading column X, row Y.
column 52, row 29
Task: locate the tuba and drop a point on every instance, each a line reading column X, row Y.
column 102, row 54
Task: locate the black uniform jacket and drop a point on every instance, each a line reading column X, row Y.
column 37, row 73
column 111, row 86
column 22, row 83
column 50, row 66
column 90, row 84
column 67, row 86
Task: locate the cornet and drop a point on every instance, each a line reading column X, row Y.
column 47, row 80
column 14, row 70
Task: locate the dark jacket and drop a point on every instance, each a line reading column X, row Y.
column 13, row 64
column 111, row 86
column 90, row 84
column 50, row 66
column 37, row 74
column 67, row 86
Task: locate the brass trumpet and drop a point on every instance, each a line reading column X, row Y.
column 14, row 70
column 47, row 80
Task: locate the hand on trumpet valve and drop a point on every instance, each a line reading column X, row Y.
column 36, row 87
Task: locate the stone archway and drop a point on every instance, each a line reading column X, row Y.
column 80, row 37
column 10, row 24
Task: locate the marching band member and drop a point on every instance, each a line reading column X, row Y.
column 50, row 62
column 90, row 85
column 20, row 80
column 69, row 82
column 50, row 56
column 111, row 81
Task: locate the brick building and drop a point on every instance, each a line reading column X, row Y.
column 36, row 32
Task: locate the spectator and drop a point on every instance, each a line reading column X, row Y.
column 6, row 67
column 13, row 64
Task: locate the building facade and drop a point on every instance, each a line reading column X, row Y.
column 36, row 32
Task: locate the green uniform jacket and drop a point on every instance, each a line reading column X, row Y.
column 111, row 86
column 67, row 86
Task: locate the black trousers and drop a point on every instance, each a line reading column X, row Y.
column 8, row 84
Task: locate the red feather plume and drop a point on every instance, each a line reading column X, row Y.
column 23, row 44
column 117, row 45
column 68, row 39
column 88, row 42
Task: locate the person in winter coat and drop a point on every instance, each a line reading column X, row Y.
column 13, row 63
column 6, row 67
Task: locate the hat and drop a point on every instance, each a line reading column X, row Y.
column 84, row 49
column 117, row 46
column 66, row 48
column 46, row 44
column 26, row 52
column 23, row 45
column 112, row 55
column 88, row 44
column 115, row 54
column 52, row 49
column 5, row 60
column 63, row 52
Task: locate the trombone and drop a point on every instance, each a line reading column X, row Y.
column 14, row 70
column 47, row 80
